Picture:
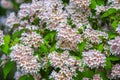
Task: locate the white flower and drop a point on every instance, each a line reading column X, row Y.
column 94, row 58
column 81, row 3
column 116, row 71
column 17, row 75
column 6, row 4
column 23, row 56
column 1, row 38
column 100, row 9
column 24, row 10
column 94, row 36
column 31, row 39
column 115, row 46
column 11, row 20
column 67, row 64
column 97, row 77
column 79, row 12
column 68, row 38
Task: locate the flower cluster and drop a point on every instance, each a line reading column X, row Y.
column 94, row 58
column 4, row 59
column 17, row 75
column 94, row 36
column 24, row 10
column 1, row 38
column 67, row 65
column 23, row 56
column 6, row 4
column 113, row 1
column 97, row 77
column 110, row 4
column 31, row 39
column 55, row 16
column 116, row 71
column 115, row 46
column 78, row 14
column 68, row 38
column 81, row 3
column 86, row 78
column 53, row 12
column 11, row 20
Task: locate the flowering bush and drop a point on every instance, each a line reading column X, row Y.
column 61, row 40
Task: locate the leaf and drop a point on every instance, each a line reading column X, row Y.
column 114, row 58
column 100, row 2
column 43, row 48
column 16, row 40
column 7, row 68
column 109, row 12
column 114, row 24
column 47, row 65
column 93, row 4
column 50, row 36
column 80, row 31
column 100, row 47
column 88, row 74
column 81, row 46
column 17, row 34
column 5, row 48
column 108, row 64
column 7, row 39
column 111, row 35
column 103, row 75
column 36, row 21
column 26, row 77
column 53, row 48
column 65, row 1
column 69, row 20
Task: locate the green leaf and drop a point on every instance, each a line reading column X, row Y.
column 80, row 31
column 111, row 35
column 15, row 41
column 65, row 1
column 7, row 68
column 26, row 77
column 103, row 75
column 114, row 58
column 5, row 48
column 36, row 21
column 114, row 24
column 109, row 12
column 81, row 46
column 88, row 74
column 53, row 48
column 48, row 65
column 69, row 20
column 17, row 34
column 43, row 48
column 50, row 36
column 108, row 64
column 100, row 2
column 7, row 39
column 100, row 47
column 93, row 4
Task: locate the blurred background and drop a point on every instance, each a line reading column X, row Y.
column 6, row 7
